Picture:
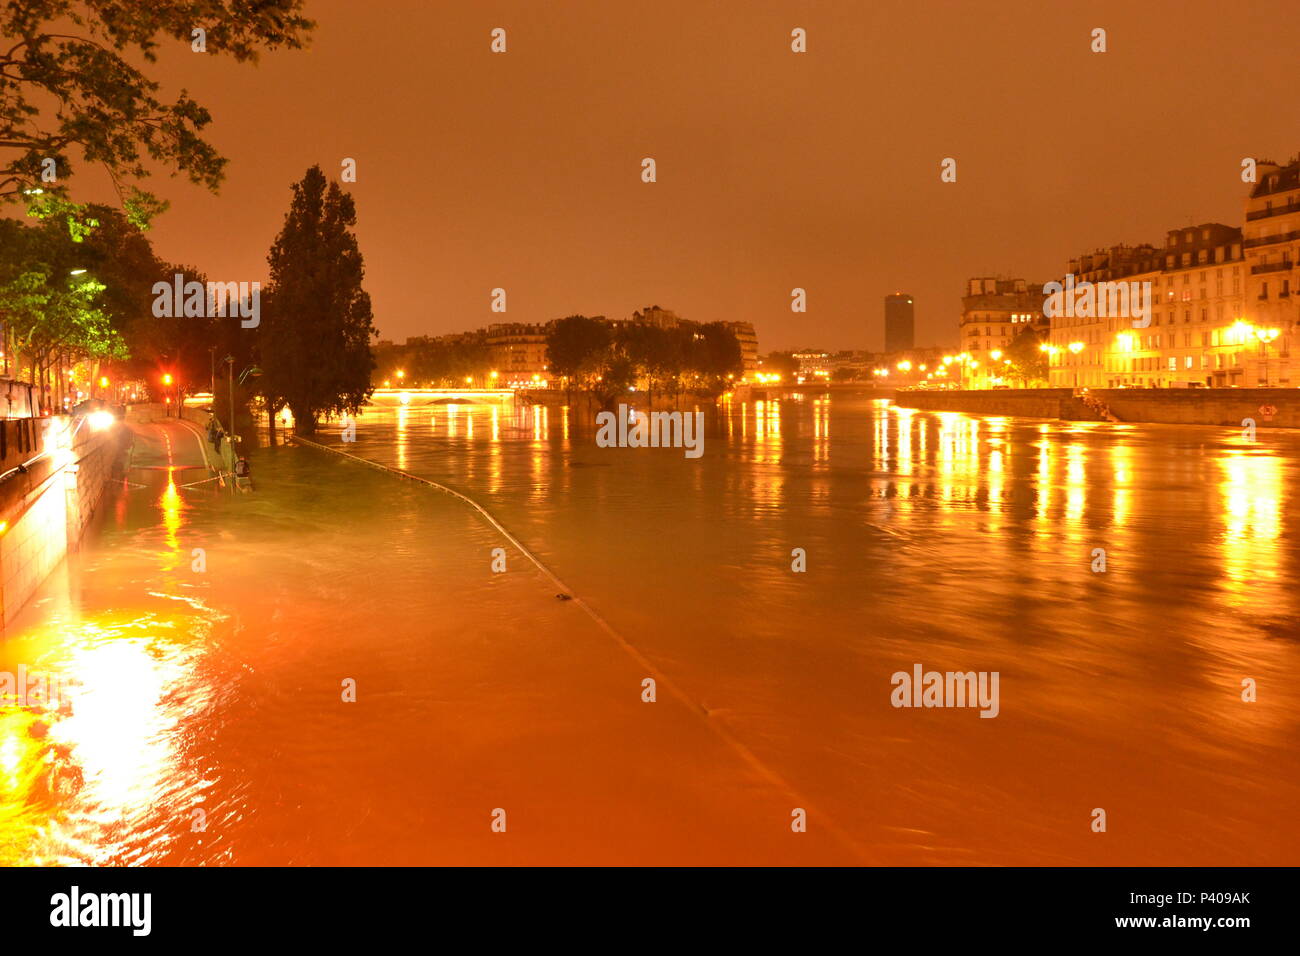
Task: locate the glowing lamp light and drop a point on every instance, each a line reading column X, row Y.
column 167, row 378
column 103, row 381
column 405, row 398
column 995, row 354
column 1266, row 335
column 1076, row 347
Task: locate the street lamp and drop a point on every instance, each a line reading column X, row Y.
column 1265, row 336
column 251, row 372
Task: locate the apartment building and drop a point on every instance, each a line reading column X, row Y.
column 1272, row 256
column 993, row 312
column 1191, row 295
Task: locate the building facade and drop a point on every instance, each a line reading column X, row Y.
column 1272, row 254
column 900, row 322
column 994, row 312
column 748, row 339
column 1223, row 310
column 1193, row 293
column 659, row 318
column 518, row 354
column 1080, row 347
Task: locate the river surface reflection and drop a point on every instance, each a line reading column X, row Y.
column 953, row 542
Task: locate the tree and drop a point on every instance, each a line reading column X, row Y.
column 1028, row 361
column 50, row 304
column 781, row 363
column 577, row 349
column 657, row 355
column 69, row 92
column 316, row 323
column 119, row 254
column 719, row 359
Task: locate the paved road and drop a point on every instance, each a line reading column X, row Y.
column 170, row 446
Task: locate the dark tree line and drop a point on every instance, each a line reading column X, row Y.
column 77, row 285
column 436, row 362
column 606, row 359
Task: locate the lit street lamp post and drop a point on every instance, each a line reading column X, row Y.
column 1265, row 336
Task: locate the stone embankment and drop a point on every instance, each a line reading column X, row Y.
column 1266, row 407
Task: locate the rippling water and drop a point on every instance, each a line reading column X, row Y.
column 950, row 541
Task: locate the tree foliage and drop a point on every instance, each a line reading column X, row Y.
column 316, row 325
column 437, row 362
column 1028, row 362
column 577, row 348
column 51, row 303
column 69, row 91
column 606, row 360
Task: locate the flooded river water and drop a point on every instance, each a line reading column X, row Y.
column 207, row 722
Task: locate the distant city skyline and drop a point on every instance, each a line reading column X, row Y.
column 522, row 170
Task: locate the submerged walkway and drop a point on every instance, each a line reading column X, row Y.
column 329, row 671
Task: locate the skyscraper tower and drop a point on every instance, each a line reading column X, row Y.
column 900, row 323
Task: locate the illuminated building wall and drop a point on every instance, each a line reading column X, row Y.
column 1194, row 336
column 1224, row 306
column 993, row 312
column 1272, row 253
column 518, row 353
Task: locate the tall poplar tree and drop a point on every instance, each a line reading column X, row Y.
column 316, row 324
